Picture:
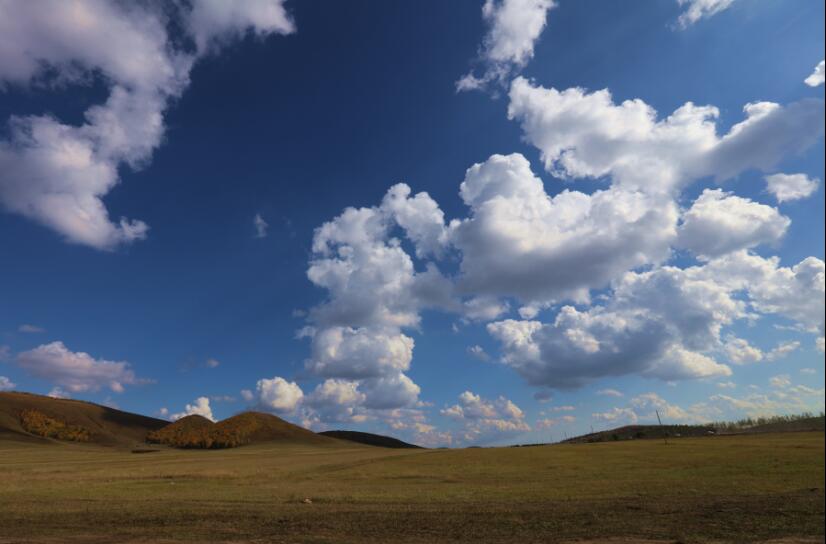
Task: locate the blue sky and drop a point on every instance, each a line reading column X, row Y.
column 601, row 259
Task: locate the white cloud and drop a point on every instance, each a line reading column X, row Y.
column 486, row 420
column 816, row 78
column 727, row 385
column 261, row 226
column 782, row 350
column 519, row 241
column 58, row 174
column 344, row 352
column 214, row 22
column 700, row 9
column 478, row 352
column 657, row 323
column 788, row 187
column 609, row 393
column 586, row 135
column 808, row 371
column 547, row 423
column 616, row 414
column 76, row 371
column 739, row 351
column 58, row 393
column 795, row 292
column 30, row 329
column 781, row 382
column 247, row 395
column 199, row 408
column 514, row 26
column 213, row 363
column 6, row 384
column 719, row 223
column 278, row 395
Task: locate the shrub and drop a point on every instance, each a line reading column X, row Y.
column 38, row 423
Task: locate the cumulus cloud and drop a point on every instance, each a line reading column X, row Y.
column 514, row 26
column 486, row 420
column 696, row 10
column 816, row 78
column 520, row 244
column 200, row 407
column 56, row 173
column 719, row 223
column 6, row 384
column 585, row 135
column 519, row 241
column 788, row 187
column 657, row 323
column 739, row 351
column 78, row 372
column 795, row 292
column 278, row 395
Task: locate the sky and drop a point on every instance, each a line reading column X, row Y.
column 458, row 223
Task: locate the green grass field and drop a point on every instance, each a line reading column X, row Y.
column 719, row 489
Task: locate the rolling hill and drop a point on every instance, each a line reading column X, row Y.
column 369, row 439
column 244, row 428
column 37, row 418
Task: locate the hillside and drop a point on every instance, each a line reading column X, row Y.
column 632, row 432
column 37, row 418
column 369, row 439
column 238, row 430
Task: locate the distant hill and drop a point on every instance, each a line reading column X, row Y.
column 37, row 418
column 632, row 432
column 369, row 439
column 238, row 430
column 774, row 424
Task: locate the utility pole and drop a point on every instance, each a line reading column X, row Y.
column 660, row 421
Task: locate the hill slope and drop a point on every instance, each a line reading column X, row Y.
column 369, row 439
column 29, row 417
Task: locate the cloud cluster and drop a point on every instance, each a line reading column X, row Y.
column 78, row 372
column 585, row 135
column 486, row 420
column 518, row 242
column 58, row 174
column 514, row 26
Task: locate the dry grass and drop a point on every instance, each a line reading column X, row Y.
column 720, row 489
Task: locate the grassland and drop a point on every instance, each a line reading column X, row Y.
column 720, row 489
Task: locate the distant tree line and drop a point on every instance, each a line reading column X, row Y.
column 749, row 422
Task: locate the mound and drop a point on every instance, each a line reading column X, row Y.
column 239, row 430
column 369, row 439
column 188, row 432
column 29, row 417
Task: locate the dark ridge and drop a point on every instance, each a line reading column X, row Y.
column 369, row 439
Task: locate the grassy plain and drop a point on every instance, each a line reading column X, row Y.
column 749, row 488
